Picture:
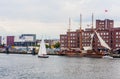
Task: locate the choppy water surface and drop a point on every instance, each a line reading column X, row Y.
column 57, row 67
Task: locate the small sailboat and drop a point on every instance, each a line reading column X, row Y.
column 42, row 50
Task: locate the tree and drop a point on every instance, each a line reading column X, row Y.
column 48, row 46
column 57, row 45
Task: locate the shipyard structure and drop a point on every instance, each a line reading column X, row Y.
column 105, row 28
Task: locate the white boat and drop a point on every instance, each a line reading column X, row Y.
column 107, row 57
column 42, row 50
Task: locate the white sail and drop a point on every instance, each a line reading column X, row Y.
column 87, row 48
column 42, row 49
column 102, row 42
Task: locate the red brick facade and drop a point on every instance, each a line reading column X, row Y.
column 106, row 30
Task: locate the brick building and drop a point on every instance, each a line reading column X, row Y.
column 10, row 40
column 106, row 30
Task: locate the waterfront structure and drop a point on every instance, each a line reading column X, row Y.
column 49, row 42
column 106, row 30
column 28, row 37
column 25, row 40
column 3, row 40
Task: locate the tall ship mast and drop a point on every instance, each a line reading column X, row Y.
column 92, row 21
column 92, row 31
column 80, row 32
column 69, row 46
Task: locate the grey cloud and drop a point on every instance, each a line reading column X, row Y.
column 58, row 11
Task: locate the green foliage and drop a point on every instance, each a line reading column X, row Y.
column 48, row 46
column 37, row 45
column 57, row 45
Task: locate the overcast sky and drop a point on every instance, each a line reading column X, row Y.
column 50, row 17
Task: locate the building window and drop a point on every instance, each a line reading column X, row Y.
column 116, row 33
column 106, row 33
column 116, row 45
column 111, row 23
column 62, row 44
column 101, row 33
column 116, row 40
column 62, row 41
column 102, row 22
column 98, row 44
column 116, row 36
column 106, row 40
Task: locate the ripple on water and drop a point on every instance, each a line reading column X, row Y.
column 57, row 67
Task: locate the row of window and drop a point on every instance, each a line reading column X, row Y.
column 118, row 40
column 72, row 41
column 65, row 45
column 117, row 33
column 62, row 45
column 72, row 45
column 72, row 34
column 63, row 41
column 104, row 22
column 117, row 45
column 72, row 38
column 117, row 36
column 63, row 37
column 86, row 44
column 101, row 22
column 105, row 33
column 85, row 34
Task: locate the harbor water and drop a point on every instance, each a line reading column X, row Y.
column 18, row 66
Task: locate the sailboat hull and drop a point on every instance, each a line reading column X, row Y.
column 93, row 54
column 43, row 56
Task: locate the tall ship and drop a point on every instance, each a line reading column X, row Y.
column 91, row 42
column 91, row 52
